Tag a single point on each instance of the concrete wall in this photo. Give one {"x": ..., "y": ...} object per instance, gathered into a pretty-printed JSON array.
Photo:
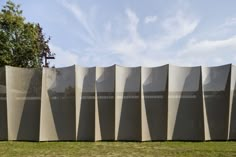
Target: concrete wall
[
  {"x": 57, "y": 119},
  {"x": 118, "y": 103},
  {"x": 185, "y": 104},
  {"x": 232, "y": 113},
  {"x": 85, "y": 103},
  {"x": 23, "y": 103},
  {"x": 216, "y": 92},
  {"x": 128, "y": 104},
  {"x": 3, "y": 105},
  {"x": 105, "y": 103},
  {"x": 154, "y": 103}
]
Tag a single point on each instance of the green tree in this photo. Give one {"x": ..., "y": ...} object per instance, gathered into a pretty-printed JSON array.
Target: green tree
[{"x": 22, "y": 43}]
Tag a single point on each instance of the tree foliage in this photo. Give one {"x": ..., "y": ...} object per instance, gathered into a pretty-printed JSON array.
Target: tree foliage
[{"x": 22, "y": 43}]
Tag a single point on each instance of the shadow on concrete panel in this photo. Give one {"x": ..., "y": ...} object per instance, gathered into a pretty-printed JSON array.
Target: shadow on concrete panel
[
  {"x": 86, "y": 128},
  {"x": 105, "y": 87},
  {"x": 130, "y": 116},
  {"x": 106, "y": 111},
  {"x": 62, "y": 103},
  {"x": 216, "y": 86},
  {"x": 3, "y": 105},
  {"x": 156, "y": 111},
  {"x": 24, "y": 103},
  {"x": 86, "y": 121},
  {"x": 185, "y": 100},
  {"x": 155, "y": 89},
  {"x": 189, "y": 123}
]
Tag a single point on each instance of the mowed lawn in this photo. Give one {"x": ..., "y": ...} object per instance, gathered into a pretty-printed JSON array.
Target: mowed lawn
[{"x": 165, "y": 149}]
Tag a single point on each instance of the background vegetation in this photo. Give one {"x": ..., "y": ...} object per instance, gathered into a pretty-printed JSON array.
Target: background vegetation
[{"x": 22, "y": 43}]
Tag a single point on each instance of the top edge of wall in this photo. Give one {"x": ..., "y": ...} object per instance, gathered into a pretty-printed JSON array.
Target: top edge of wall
[{"x": 125, "y": 66}]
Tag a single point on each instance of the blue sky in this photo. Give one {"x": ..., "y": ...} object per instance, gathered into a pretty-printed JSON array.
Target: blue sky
[{"x": 137, "y": 32}]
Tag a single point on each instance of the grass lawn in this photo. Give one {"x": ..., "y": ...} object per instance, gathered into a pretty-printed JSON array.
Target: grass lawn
[{"x": 183, "y": 149}]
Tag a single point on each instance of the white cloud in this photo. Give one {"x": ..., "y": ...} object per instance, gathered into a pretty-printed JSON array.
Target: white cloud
[
  {"x": 208, "y": 52},
  {"x": 175, "y": 28},
  {"x": 150, "y": 19},
  {"x": 133, "y": 23},
  {"x": 229, "y": 22},
  {"x": 133, "y": 49},
  {"x": 132, "y": 43},
  {"x": 81, "y": 16},
  {"x": 210, "y": 47},
  {"x": 180, "y": 25},
  {"x": 63, "y": 57}
]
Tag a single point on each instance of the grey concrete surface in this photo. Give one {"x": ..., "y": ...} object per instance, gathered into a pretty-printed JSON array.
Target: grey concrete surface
[
  {"x": 154, "y": 103},
  {"x": 57, "y": 119},
  {"x": 85, "y": 103},
  {"x": 185, "y": 104},
  {"x": 118, "y": 103},
  {"x": 23, "y": 103},
  {"x": 232, "y": 113},
  {"x": 216, "y": 92},
  {"x": 128, "y": 104}
]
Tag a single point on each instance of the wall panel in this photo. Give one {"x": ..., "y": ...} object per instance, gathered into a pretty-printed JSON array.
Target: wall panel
[
  {"x": 185, "y": 104},
  {"x": 118, "y": 103},
  {"x": 85, "y": 103},
  {"x": 23, "y": 103},
  {"x": 232, "y": 118},
  {"x": 216, "y": 89},
  {"x": 58, "y": 105},
  {"x": 3, "y": 105},
  {"x": 105, "y": 103},
  {"x": 128, "y": 103},
  {"x": 154, "y": 87}
]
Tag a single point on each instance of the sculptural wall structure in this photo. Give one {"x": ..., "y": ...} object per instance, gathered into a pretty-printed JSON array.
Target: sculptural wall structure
[
  {"x": 154, "y": 103},
  {"x": 118, "y": 103},
  {"x": 216, "y": 96},
  {"x": 23, "y": 88},
  {"x": 85, "y": 103},
  {"x": 3, "y": 105},
  {"x": 185, "y": 104},
  {"x": 128, "y": 104},
  {"x": 105, "y": 104},
  {"x": 232, "y": 111},
  {"x": 57, "y": 116}
]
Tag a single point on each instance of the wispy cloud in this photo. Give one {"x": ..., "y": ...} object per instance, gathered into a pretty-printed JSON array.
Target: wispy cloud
[
  {"x": 63, "y": 56},
  {"x": 229, "y": 22},
  {"x": 150, "y": 50},
  {"x": 150, "y": 19},
  {"x": 133, "y": 48},
  {"x": 210, "y": 47},
  {"x": 82, "y": 18},
  {"x": 180, "y": 24}
]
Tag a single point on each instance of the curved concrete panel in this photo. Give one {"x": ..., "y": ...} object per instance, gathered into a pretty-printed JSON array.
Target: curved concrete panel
[
  {"x": 232, "y": 117},
  {"x": 154, "y": 90},
  {"x": 118, "y": 103},
  {"x": 85, "y": 103},
  {"x": 3, "y": 105},
  {"x": 128, "y": 103},
  {"x": 185, "y": 104},
  {"x": 23, "y": 103},
  {"x": 216, "y": 91},
  {"x": 58, "y": 104},
  {"x": 105, "y": 103}
]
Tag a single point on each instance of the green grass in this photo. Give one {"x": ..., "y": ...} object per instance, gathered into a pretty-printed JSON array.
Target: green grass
[{"x": 166, "y": 149}]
